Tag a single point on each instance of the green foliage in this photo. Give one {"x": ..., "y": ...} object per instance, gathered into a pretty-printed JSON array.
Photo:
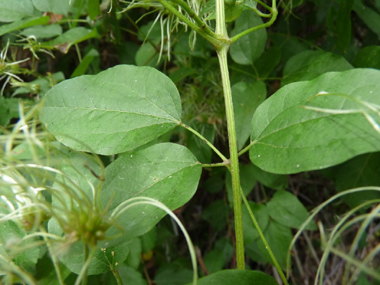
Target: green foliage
[
  {"x": 13, "y": 11},
  {"x": 285, "y": 209},
  {"x": 249, "y": 48},
  {"x": 368, "y": 57},
  {"x": 294, "y": 135},
  {"x": 166, "y": 172},
  {"x": 154, "y": 119},
  {"x": 237, "y": 276},
  {"x": 310, "y": 64},
  {"x": 359, "y": 171},
  {"x": 246, "y": 98},
  {"x": 150, "y": 110}
]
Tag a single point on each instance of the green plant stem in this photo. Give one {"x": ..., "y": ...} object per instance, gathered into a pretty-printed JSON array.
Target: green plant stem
[
  {"x": 117, "y": 276},
  {"x": 263, "y": 4},
  {"x": 244, "y": 150},
  {"x": 221, "y": 30},
  {"x": 262, "y": 237},
  {"x": 234, "y": 162},
  {"x": 212, "y": 39},
  {"x": 225, "y": 160},
  {"x": 11, "y": 266},
  {"x": 86, "y": 256},
  {"x": 267, "y": 24},
  {"x": 53, "y": 257},
  {"x": 78, "y": 13},
  {"x": 83, "y": 273},
  {"x": 205, "y": 165},
  {"x": 78, "y": 53}
]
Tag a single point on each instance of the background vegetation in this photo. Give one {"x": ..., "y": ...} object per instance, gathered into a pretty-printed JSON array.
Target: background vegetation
[{"x": 46, "y": 42}]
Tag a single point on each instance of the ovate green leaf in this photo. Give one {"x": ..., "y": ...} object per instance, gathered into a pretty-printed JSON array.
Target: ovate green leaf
[
  {"x": 288, "y": 138},
  {"x": 46, "y": 274},
  {"x": 23, "y": 24},
  {"x": 115, "y": 111},
  {"x": 134, "y": 257},
  {"x": 278, "y": 238},
  {"x": 360, "y": 171},
  {"x": 310, "y": 64},
  {"x": 368, "y": 57},
  {"x": 69, "y": 38},
  {"x": 251, "y": 4},
  {"x": 235, "y": 276},
  {"x": 270, "y": 180},
  {"x": 166, "y": 172},
  {"x": 93, "y": 9},
  {"x": 248, "y": 48},
  {"x": 173, "y": 273},
  {"x": 43, "y": 32},
  {"x": 147, "y": 54},
  {"x": 182, "y": 73},
  {"x": 214, "y": 261},
  {"x": 15, "y": 10},
  {"x": 262, "y": 217},
  {"x": 343, "y": 24},
  {"x": 54, "y": 6},
  {"x": 289, "y": 45},
  {"x": 246, "y": 98},
  {"x": 287, "y": 210},
  {"x": 103, "y": 260},
  {"x": 233, "y": 12},
  {"x": 225, "y": 245},
  {"x": 130, "y": 275},
  {"x": 8, "y": 110},
  {"x": 11, "y": 236},
  {"x": 216, "y": 214},
  {"x": 268, "y": 61},
  {"x": 148, "y": 240}
]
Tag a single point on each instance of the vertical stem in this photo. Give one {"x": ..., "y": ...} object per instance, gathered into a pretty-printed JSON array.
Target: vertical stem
[
  {"x": 234, "y": 162},
  {"x": 53, "y": 257},
  {"x": 85, "y": 255},
  {"x": 220, "y": 28}
]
